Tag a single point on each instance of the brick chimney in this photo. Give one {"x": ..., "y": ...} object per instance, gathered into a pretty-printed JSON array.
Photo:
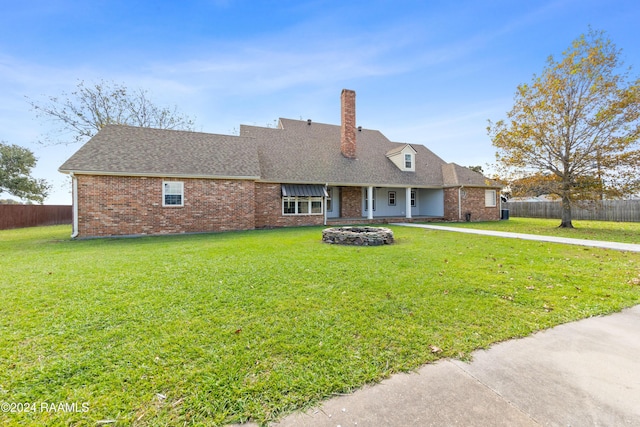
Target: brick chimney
[{"x": 348, "y": 127}]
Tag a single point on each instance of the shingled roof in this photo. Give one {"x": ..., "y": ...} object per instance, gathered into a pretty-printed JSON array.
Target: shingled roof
[
  {"x": 300, "y": 152},
  {"x": 455, "y": 175},
  {"x": 295, "y": 152},
  {"x": 127, "y": 150}
]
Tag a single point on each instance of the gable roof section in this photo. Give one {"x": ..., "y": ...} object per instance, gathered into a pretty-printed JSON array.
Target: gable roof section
[
  {"x": 398, "y": 157},
  {"x": 455, "y": 175},
  {"x": 399, "y": 149},
  {"x": 127, "y": 150},
  {"x": 297, "y": 152}
]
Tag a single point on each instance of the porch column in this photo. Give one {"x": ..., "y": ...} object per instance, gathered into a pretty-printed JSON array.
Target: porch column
[
  {"x": 408, "y": 202},
  {"x": 370, "y": 202}
]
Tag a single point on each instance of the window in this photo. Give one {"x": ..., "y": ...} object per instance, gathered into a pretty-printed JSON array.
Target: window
[
  {"x": 301, "y": 205},
  {"x": 408, "y": 161},
  {"x": 490, "y": 198},
  {"x": 403, "y": 157},
  {"x": 392, "y": 198},
  {"x": 413, "y": 199},
  {"x": 172, "y": 193},
  {"x": 288, "y": 205}
]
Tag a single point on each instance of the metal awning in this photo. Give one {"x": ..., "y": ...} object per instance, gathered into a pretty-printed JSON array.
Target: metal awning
[{"x": 304, "y": 190}]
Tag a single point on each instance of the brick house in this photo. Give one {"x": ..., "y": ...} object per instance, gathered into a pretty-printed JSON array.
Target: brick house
[{"x": 135, "y": 181}]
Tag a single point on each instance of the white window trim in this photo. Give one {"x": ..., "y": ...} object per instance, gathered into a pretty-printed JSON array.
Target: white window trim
[
  {"x": 414, "y": 198},
  {"x": 302, "y": 199},
  {"x": 164, "y": 193},
  {"x": 395, "y": 199},
  {"x": 408, "y": 151},
  {"x": 490, "y": 198},
  {"x": 410, "y": 167}
]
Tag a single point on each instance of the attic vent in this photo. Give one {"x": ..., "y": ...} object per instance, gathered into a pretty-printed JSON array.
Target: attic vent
[
  {"x": 309, "y": 122},
  {"x": 359, "y": 128}
]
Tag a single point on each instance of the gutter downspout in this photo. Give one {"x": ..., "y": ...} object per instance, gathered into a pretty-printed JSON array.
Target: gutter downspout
[
  {"x": 74, "y": 181},
  {"x": 324, "y": 204}
]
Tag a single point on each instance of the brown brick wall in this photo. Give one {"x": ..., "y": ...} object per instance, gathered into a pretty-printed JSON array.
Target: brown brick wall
[
  {"x": 451, "y": 204},
  {"x": 348, "y": 124},
  {"x": 116, "y": 205},
  {"x": 472, "y": 202},
  {"x": 268, "y": 211},
  {"x": 351, "y": 202}
]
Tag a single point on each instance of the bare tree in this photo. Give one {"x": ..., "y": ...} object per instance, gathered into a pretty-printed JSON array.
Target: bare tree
[{"x": 89, "y": 108}]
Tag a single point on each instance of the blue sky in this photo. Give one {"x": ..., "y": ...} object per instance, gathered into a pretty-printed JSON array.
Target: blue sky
[{"x": 425, "y": 72}]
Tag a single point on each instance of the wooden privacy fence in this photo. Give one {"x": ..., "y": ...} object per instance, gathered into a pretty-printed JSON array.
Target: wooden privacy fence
[
  {"x": 607, "y": 210},
  {"x": 16, "y": 216}
]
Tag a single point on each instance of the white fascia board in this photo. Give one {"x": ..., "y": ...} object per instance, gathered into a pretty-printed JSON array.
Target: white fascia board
[{"x": 159, "y": 175}]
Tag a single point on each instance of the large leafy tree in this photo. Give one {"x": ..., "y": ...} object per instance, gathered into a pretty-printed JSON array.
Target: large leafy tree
[
  {"x": 576, "y": 127},
  {"x": 15, "y": 174},
  {"x": 90, "y": 107}
]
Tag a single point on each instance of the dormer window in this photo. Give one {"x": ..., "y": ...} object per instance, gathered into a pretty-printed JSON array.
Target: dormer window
[
  {"x": 408, "y": 161},
  {"x": 404, "y": 157}
]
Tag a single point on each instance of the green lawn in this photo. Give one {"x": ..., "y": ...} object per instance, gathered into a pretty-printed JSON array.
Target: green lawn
[
  {"x": 624, "y": 232},
  {"x": 221, "y": 328}
]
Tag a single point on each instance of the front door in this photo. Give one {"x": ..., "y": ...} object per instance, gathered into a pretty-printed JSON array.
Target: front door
[{"x": 333, "y": 202}]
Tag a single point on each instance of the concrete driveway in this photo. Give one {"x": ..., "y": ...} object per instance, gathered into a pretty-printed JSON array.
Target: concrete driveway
[{"x": 585, "y": 373}]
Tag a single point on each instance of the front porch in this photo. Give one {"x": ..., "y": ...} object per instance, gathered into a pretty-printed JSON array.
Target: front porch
[
  {"x": 380, "y": 205},
  {"x": 383, "y": 220}
]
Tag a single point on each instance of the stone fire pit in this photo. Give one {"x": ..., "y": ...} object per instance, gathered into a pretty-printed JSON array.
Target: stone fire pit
[{"x": 358, "y": 236}]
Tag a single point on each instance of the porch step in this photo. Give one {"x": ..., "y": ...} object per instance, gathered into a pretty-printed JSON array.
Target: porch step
[{"x": 382, "y": 220}]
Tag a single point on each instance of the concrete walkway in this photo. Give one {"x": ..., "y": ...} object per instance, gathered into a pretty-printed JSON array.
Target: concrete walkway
[
  {"x": 585, "y": 373},
  {"x": 631, "y": 247}
]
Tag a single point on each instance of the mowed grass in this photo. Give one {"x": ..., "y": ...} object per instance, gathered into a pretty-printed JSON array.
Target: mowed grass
[
  {"x": 622, "y": 232},
  {"x": 222, "y": 328}
]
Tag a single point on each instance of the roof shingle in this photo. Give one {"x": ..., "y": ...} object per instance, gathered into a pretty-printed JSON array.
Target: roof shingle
[
  {"x": 118, "y": 149},
  {"x": 455, "y": 175},
  {"x": 295, "y": 153}
]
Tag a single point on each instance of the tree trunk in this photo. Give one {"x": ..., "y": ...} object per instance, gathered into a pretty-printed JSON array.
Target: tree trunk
[{"x": 566, "y": 213}]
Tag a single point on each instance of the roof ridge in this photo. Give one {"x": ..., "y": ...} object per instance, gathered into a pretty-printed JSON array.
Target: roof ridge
[
  {"x": 455, "y": 172},
  {"x": 183, "y": 131},
  {"x": 306, "y": 122}
]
